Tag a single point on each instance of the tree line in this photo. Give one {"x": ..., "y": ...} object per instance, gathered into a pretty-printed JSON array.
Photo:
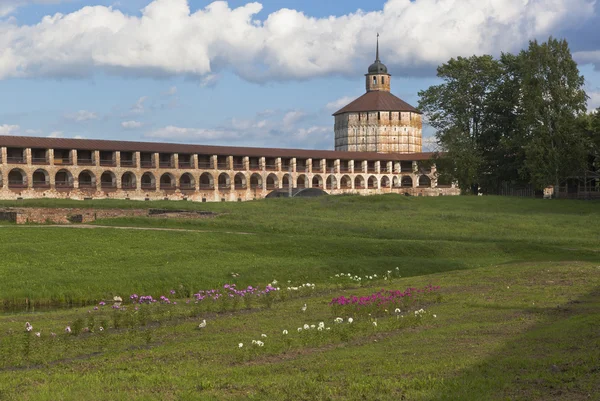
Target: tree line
[{"x": 519, "y": 119}]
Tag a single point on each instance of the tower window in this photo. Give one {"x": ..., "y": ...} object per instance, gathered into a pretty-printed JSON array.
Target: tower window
[
  {"x": 374, "y": 80},
  {"x": 379, "y": 115},
  {"x": 383, "y": 80}
]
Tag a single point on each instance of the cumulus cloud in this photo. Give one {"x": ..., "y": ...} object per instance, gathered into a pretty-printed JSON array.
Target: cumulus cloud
[
  {"x": 267, "y": 130},
  {"x": 588, "y": 57},
  {"x": 169, "y": 39},
  {"x": 594, "y": 100},
  {"x": 131, "y": 124},
  {"x": 56, "y": 134},
  {"x": 7, "y": 7},
  {"x": 339, "y": 103},
  {"x": 6, "y": 129},
  {"x": 81, "y": 115},
  {"x": 138, "y": 107},
  {"x": 172, "y": 91}
]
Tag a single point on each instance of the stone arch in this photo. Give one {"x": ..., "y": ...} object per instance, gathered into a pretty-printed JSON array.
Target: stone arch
[
  {"x": 207, "y": 181},
  {"x": 63, "y": 179},
  {"x": 317, "y": 182},
  {"x": 372, "y": 183},
  {"x": 424, "y": 181},
  {"x": 302, "y": 181},
  {"x": 40, "y": 179},
  {"x": 286, "y": 181},
  {"x": 272, "y": 181},
  {"x": 17, "y": 178},
  {"x": 148, "y": 181},
  {"x": 359, "y": 182},
  {"x": 224, "y": 181},
  {"x": 128, "y": 180},
  {"x": 331, "y": 182},
  {"x": 108, "y": 180},
  {"x": 385, "y": 182},
  {"x": 239, "y": 181},
  {"x": 186, "y": 181},
  {"x": 396, "y": 182},
  {"x": 255, "y": 181},
  {"x": 167, "y": 181},
  {"x": 346, "y": 182},
  {"x": 86, "y": 179},
  {"x": 407, "y": 181}
]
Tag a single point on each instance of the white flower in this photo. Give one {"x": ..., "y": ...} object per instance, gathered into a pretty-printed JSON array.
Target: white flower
[
  {"x": 285, "y": 332},
  {"x": 118, "y": 299},
  {"x": 274, "y": 282},
  {"x": 375, "y": 324},
  {"x": 337, "y": 275},
  {"x": 374, "y": 275},
  {"x": 304, "y": 308},
  {"x": 350, "y": 320},
  {"x": 68, "y": 329},
  {"x": 299, "y": 329},
  {"x": 203, "y": 324},
  {"x": 321, "y": 324},
  {"x": 397, "y": 310},
  {"x": 320, "y": 328},
  {"x": 101, "y": 328},
  {"x": 328, "y": 328},
  {"x": 263, "y": 335},
  {"x": 306, "y": 327},
  {"x": 28, "y": 327},
  {"x": 240, "y": 345},
  {"x": 38, "y": 334},
  {"x": 254, "y": 342},
  {"x": 339, "y": 320},
  {"x": 434, "y": 315}
]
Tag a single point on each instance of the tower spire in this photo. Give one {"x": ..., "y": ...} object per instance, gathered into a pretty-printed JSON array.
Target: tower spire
[{"x": 377, "y": 56}]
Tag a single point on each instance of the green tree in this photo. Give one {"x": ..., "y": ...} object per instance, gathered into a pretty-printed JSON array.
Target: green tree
[
  {"x": 458, "y": 109},
  {"x": 552, "y": 97}
]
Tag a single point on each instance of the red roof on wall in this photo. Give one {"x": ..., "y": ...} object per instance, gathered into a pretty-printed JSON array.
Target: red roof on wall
[
  {"x": 377, "y": 101},
  {"x": 127, "y": 146}
]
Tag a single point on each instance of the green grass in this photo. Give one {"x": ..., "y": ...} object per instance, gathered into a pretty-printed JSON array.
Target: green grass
[{"x": 518, "y": 317}]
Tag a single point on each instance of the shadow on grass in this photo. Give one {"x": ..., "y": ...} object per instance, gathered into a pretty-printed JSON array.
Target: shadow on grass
[{"x": 555, "y": 360}]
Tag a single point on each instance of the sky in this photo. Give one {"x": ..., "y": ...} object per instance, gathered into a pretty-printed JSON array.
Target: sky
[{"x": 268, "y": 73}]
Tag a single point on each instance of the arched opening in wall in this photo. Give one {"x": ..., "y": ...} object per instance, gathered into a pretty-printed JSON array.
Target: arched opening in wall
[
  {"x": 128, "y": 181},
  {"x": 346, "y": 182},
  {"x": 167, "y": 182},
  {"x": 206, "y": 181},
  {"x": 359, "y": 182},
  {"x": 317, "y": 182},
  {"x": 148, "y": 181},
  {"x": 1, "y": 181},
  {"x": 272, "y": 181},
  {"x": 255, "y": 181},
  {"x": 224, "y": 182},
  {"x": 187, "y": 182},
  {"x": 424, "y": 182},
  {"x": 108, "y": 180},
  {"x": 286, "y": 181},
  {"x": 40, "y": 179},
  {"x": 86, "y": 179},
  {"x": 372, "y": 182},
  {"x": 301, "y": 181},
  {"x": 239, "y": 181},
  {"x": 407, "y": 181},
  {"x": 17, "y": 178},
  {"x": 385, "y": 182},
  {"x": 396, "y": 182},
  {"x": 331, "y": 182},
  {"x": 63, "y": 179}
]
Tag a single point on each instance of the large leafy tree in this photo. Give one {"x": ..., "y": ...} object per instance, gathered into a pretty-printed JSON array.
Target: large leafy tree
[
  {"x": 458, "y": 109},
  {"x": 552, "y": 97}
]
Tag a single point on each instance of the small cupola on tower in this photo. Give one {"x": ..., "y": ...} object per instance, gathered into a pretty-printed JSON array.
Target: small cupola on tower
[{"x": 378, "y": 78}]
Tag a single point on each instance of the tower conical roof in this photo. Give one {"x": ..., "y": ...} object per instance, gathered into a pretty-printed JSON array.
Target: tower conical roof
[{"x": 377, "y": 67}]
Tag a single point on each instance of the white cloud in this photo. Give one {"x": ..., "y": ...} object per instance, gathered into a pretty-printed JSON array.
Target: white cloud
[
  {"x": 82, "y": 115},
  {"x": 588, "y": 57},
  {"x": 169, "y": 39},
  {"x": 339, "y": 103},
  {"x": 138, "y": 107},
  {"x": 292, "y": 117},
  {"x": 131, "y": 124},
  {"x": 594, "y": 100},
  {"x": 7, "y": 7},
  {"x": 33, "y": 131},
  {"x": 172, "y": 91},
  {"x": 209, "y": 80},
  {"x": 6, "y": 129},
  {"x": 56, "y": 134},
  {"x": 191, "y": 134}
]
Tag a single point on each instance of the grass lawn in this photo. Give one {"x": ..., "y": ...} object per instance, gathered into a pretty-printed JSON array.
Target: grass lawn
[{"x": 517, "y": 314}]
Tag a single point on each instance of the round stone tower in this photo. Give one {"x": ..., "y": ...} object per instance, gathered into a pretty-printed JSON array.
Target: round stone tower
[{"x": 378, "y": 121}]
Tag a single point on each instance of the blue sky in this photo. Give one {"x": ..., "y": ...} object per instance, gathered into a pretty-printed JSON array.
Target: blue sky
[{"x": 251, "y": 74}]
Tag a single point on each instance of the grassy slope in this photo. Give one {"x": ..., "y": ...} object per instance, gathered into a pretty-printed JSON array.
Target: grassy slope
[
  {"x": 518, "y": 320},
  {"x": 302, "y": 240}
]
